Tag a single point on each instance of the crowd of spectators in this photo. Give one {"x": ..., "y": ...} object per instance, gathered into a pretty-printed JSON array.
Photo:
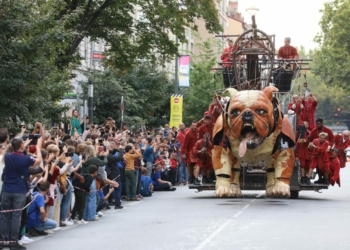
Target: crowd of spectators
[{"x": 65, "y": 177}]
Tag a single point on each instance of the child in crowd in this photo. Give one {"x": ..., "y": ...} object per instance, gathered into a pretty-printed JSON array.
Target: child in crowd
[
  {"x": 82, "y": 186},
  {"x": 173, "y": 168},
  {"x": 146, "y": 184}
]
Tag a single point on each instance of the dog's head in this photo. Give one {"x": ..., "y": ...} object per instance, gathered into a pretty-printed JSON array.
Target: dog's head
[{"x": 250, "y": 115}]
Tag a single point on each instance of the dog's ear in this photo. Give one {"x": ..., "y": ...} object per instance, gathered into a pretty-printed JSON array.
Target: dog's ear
[
  {"x": 269, "y": 90},
  {"x": 231, "y": 91}
]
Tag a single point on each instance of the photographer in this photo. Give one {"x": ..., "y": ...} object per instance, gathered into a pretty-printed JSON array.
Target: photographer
[
  {"x": 15, "y": 187},
  {"x": 115, "y": 161},
  {"x": 131, "y": 153},
  {"x": 148, "y": 151}
]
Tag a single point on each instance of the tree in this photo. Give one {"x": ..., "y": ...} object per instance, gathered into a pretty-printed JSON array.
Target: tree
[
  {"x": 203, "y": 82},
  {"x": 145, "y": 36},
  {"x": 30, "y": 81},
  {"x": 145, "y": 90},
  {"x": 332, "y": 61}
]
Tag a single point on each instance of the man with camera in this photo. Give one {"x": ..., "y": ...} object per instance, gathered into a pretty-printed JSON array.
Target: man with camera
[
  {"x": 14, "y": 191},
  {"x": 115, "y": 167}
]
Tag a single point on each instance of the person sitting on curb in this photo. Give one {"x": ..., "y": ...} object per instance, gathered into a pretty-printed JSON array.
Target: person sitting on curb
[{"x": 37, "y": 215}]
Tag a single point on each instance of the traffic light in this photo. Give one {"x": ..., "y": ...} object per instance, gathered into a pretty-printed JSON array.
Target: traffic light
[
  {"x": 339, "y": 109},
  {"x": 336, "y": 115}
]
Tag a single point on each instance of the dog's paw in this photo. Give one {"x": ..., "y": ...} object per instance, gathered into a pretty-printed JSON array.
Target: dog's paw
[
  {"x": 268, "y": 192},
  {"x": 223, "y": 188},
  {"x": 280, "y": 189},
  {"x": 236, "y": 191}
]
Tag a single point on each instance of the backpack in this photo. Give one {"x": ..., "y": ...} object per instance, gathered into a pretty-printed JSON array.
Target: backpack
[{"x": 145, "y": 191}]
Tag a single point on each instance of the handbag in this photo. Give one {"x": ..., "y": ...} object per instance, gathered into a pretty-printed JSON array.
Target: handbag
[{"x": 27, "y": 184}]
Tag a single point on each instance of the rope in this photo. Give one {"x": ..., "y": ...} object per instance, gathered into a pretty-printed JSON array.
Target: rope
[
  {"x": 19, "y": 209},
  {"x": 84, "y": 189}
]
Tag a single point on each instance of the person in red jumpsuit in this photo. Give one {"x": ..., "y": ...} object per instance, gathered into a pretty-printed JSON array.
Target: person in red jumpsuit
[
  {"x": 181, "y": 133},
  {"x": 319, "y": 159},
  {"x": 287, "y": 51},
  {"x": 297, "y": 106},
  {"x": 226, "y": 55},
  {"x": 201, "y": 153},
  {"x": 334, "y": 168},
  {"x": 342, "y": 142},
  {"x": 206, "y": 128},
  {"x": 319, "y": 129},
  {"x": 302, "y": 149},
  {"x": 191, "y": 137},
  {"x": 215, "y": 109},
  {"x": 308, "y": 112}
]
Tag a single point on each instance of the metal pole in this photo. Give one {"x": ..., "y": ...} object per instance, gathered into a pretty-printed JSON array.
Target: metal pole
[
  {"x": 84, "y": 114},
  {"x": 176, "y": 71},
  {"x": 91, "y": 101}
]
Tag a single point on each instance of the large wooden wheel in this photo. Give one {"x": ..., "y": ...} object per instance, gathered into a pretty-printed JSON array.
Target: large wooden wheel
[{"x": 253, "y": 60}]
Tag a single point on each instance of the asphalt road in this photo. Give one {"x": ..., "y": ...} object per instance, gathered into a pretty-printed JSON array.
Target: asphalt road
[{"x": 187, "y": 220}]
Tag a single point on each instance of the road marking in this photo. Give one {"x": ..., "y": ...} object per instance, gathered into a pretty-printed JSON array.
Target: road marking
[
  {"x": 217, "y": 231},
  {"x": 246, "y": 206}
]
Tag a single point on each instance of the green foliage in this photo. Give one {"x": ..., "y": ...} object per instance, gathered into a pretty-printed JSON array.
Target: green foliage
[
  {"x": 203, "y": 82},
  {"x": 132, "y": 35},
  {"x": 146, "y": 95},
  {"x": 332, "y": 61},
  {"x": 30, "y": 82},
  {"x": 330, "y": 98}
]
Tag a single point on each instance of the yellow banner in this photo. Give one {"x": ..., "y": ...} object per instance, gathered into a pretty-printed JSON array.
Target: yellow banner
[{"x": 176, "y": 103}]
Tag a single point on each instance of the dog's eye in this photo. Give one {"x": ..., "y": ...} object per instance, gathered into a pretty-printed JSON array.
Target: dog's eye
[
  {"x": 261, "y": 112},
  {"x": 235, "y": 112}
]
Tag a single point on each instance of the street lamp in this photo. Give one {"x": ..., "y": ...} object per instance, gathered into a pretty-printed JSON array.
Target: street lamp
[{"x": 252, "y": 11}]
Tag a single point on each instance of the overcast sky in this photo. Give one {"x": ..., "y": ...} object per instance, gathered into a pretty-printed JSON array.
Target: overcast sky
[{"x": 297, "y": 19}]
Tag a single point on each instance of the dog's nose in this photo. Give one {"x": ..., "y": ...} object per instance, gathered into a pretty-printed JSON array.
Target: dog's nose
[{"x": 247, "y": 116}]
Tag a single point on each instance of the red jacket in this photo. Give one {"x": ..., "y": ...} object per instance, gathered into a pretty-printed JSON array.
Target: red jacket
[
  {"x": 320, "y": 153},
  {"x": 204, "y": 129},
  {"x": 287, "y": 52},
  {"x": 201, "y": 158},
  {"x": 191, "y": 138},
  {"x": 173, "y": 163},
  {"x": 341, "y": 145},
  {"x": 315, "y": 134},
  {"x": 334, "y": 173},
  {"x": 181, "y": 136}
]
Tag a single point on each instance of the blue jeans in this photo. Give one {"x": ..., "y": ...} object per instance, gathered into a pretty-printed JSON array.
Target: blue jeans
[
  {"x": 66, "y": 200},
  {"x": 90, "y": 206},
  {"x": 10, "y": 222},
  {"x": 183, "y": 175},
  {"x": 48, "y": 224},
  {"x": 117, "y": 193},
  {"x": 149, "y": 167}
]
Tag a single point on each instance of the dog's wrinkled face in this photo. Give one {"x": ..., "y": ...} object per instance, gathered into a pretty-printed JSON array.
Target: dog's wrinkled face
[{"x": 250, "y": 116}]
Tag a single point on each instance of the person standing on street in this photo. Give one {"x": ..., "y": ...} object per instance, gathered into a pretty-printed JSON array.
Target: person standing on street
[
  {"x": 15, "y": 188},
  {"x": 130, "y": 178},
  {"x": 148, "y": 154}
]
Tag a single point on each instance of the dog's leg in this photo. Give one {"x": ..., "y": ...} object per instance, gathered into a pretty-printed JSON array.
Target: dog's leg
[
  {"x": 222, "y": 165},
  {"x": 270, "y": 175},
  {"x": 236, "y": 172},
  {"x": 284, "y": 165}
]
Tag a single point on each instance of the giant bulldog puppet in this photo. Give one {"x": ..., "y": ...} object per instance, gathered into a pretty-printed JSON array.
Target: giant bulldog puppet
[{"x": 252, "y": 130}]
